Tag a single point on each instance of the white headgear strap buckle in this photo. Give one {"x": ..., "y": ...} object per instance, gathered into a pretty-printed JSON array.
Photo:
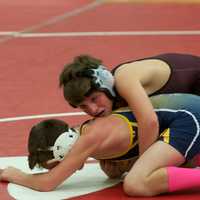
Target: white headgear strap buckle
[
  {"x": 64, "y": 143},
  {"x": 104, "y": 79}
]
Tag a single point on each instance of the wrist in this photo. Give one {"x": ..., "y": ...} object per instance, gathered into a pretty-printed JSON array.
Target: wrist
[{"x": 19, "y": 178}]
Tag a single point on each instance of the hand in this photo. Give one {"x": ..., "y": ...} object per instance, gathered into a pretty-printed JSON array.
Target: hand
[{"x": 10, "y": 174}]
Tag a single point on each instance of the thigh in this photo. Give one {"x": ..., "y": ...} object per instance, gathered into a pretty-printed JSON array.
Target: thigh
[
  {"x": 157, "y": 156},
  {"x": 183, "y": 133}
]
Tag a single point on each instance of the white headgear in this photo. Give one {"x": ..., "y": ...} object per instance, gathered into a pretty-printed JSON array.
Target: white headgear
[
  {"x": 64, "y": 143},
  {"x": 104, "y": 79}
]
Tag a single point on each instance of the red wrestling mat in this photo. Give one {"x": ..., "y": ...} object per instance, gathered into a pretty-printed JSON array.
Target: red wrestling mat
[
  {"x": 33, "y": 65},
  {"x": 30, "y": 66},
  {"x": 19, "y": 15},
  {"x": 132, "y": 17}
]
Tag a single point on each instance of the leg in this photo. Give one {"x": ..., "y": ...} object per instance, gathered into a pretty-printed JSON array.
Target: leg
[
  {"x": 196, "y": 160},
  {"x": 182, "y": 178},
  {"x": 148, "y": 176}
]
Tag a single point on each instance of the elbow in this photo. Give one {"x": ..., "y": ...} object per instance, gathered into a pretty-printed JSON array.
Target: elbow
[{"x": 50, "y": 185}]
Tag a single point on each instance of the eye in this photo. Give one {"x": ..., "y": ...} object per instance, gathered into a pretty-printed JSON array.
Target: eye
[
  {"x": 61, "y": 157},
  {"x": 71, "y": 136},
  {"x": 94, "y": 98}
]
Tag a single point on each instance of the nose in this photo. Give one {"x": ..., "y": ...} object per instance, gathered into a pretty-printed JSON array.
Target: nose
[{"x": 93, "y": 109}]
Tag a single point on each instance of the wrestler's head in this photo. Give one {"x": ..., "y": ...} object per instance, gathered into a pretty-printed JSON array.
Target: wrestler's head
[
  {"x": 49, "y": 141},
  {"x": 88, "y": 85}
]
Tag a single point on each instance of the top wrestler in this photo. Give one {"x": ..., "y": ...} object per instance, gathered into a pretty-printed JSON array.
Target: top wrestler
[
  {"x": 91, "y": 87},
  {"x": 156, "y": 171}
]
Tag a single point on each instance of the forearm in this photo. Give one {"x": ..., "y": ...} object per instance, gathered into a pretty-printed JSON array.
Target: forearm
[
  {"x": 39, "y": 182},
  {"x": 148, "y": 133},
  {"x": 35, "y": 181}
]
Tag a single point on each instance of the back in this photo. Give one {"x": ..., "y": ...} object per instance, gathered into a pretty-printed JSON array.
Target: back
[{"x": 177, "y": 101}]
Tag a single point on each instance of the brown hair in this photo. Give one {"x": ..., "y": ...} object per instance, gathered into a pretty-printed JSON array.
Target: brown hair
[
  {"x": 41, "y": 137},
  {"x": 75, "y": 80}
]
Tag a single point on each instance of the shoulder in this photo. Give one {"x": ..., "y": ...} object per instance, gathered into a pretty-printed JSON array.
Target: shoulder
[
  {"x": 102, "y": 125},
  {"x": 139, "y": 66},
  {"x": 142, "y": 71}
]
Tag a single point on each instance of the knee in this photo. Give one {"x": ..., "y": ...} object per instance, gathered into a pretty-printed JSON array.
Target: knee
[{"x": 137, "y": 187}]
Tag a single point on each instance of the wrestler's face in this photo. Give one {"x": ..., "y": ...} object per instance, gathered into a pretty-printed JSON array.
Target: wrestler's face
[{"x": 97, "y": 104}]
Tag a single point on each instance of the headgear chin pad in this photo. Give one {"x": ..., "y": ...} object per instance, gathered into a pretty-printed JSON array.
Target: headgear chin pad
[{"x": 64, "y": 143}]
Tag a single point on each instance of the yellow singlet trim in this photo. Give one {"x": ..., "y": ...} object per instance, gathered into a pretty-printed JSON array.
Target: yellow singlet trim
[
  {"x": 166, "y": 135},
  {"x": 132, "y": 136}
]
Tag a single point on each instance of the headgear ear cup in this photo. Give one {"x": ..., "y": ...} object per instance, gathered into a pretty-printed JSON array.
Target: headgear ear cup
[
  {"x": 102, "y": 79},
  {"x": 64, "y": 143}
]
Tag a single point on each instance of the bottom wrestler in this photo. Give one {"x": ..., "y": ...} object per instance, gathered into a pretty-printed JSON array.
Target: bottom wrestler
[{"x": 115, "y": 138}]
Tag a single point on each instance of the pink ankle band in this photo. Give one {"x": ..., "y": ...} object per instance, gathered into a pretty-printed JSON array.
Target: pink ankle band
[{"x": 182, "y": 178}]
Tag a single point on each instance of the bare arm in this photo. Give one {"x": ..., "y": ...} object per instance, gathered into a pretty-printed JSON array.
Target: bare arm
[
  {"x": 50, "y": 180},
  {"x": 131, "y": 86}
]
